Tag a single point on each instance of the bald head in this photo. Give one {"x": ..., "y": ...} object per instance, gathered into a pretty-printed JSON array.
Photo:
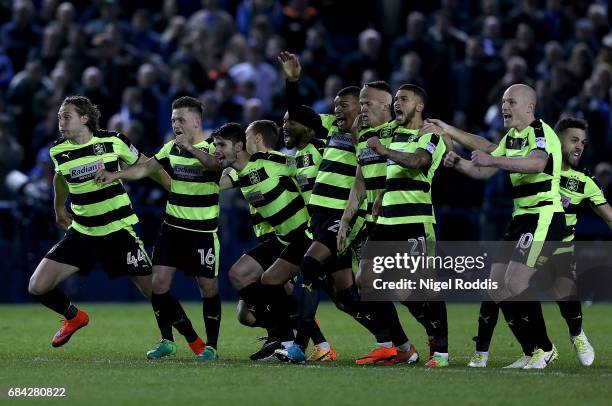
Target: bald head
[
  {"x": 518, "y": 106},
  {"x": 526, "y": 93}
]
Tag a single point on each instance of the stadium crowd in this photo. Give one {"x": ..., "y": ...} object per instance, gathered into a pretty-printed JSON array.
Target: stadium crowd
[{"x": 133, "y": 58}]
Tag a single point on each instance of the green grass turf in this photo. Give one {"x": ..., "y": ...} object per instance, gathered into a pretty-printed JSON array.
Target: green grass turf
[{"x": 105, "y": 363}]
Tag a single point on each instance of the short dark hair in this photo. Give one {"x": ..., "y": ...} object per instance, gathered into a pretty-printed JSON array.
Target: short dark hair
[
  {"x": 349, "y": 91},
  {"x": 571, "y": 122},
  {"x": 380, "y": 85},
  {"x": 190, "y": 103},
  {"x": 84, "y": 107},
  {"x": 230, "y": 131},
  {"x": 268, "y": 130},
  {"x": 417, "y": 90}
]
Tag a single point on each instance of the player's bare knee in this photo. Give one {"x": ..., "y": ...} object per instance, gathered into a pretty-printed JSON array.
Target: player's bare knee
[
  {"x": 35, "y": 287},
  {"x": 244, "y": 316},
  {"x": 160, "y": 284},
  {"x": 209, "y": 287}
]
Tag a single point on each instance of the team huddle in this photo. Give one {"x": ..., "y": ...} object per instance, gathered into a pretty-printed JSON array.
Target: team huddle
[{"x": 363, "y": 174}]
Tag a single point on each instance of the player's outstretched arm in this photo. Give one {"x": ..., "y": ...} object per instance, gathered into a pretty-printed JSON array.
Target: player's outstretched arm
[
  {"x": 355, "y": 198},
  {"x": 160, "y": 176},
  {"x": 420, "y": 158},
  {"x": 60, "y": 188},
  {"x": 535, "y": 162},
  {"x": 605, "y": 212},
  {"x": 468, "y": 168},
  {"x": 468, "y": 140},
  {"x": 134, "y": 172}
]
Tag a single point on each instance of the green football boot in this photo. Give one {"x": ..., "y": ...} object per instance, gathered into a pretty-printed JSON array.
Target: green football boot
[
  {"x": 209, "y": 354},
  {"x": 164, "y": 348}
]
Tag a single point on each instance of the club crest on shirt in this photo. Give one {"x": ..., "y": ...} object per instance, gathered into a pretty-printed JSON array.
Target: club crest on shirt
[
  {"x": 99, "y": 149},
  {"x": 254, "y": 176},
  {"x": 572, "y": 185},
  {"x": 385, "y": 132}
]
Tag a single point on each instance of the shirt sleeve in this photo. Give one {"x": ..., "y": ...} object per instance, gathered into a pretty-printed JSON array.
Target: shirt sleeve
[
  {"x": 539, "y": 140},
  {"x": 55, "y": 164},
  {"x": 593, "y": 192},
  {"x": 233, "y": 175},
  {"x": 126, "y": 151},
  {"x": 164, "y": 151},
  {"x": 501, "y": 148},
  {"x": 429, "y": 142}
]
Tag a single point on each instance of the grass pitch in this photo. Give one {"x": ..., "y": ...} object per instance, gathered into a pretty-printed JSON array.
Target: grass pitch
[{"x": 105, "y": 363}]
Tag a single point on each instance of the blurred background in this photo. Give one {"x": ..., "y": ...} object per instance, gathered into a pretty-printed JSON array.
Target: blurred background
[{"x": 133, "y": 58}]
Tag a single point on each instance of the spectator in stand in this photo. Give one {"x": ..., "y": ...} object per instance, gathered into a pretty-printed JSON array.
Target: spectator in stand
[
  {"x": 18, "y": 35},
  {"x": 218, "y": 22},
  {"x": 333, "y": 84},
  {"x": 256, "y": 70},
  {"x": 369, "y": 56},
  {"x": 11, "y": 153}
]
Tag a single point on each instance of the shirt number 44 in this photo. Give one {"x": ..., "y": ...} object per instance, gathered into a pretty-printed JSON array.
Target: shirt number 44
[{"x": 134, "y": 259}]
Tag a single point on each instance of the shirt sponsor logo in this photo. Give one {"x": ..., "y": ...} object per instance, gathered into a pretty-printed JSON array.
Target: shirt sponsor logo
[
  {"x": 86, "y": 171},
  {"x": 369, "y": 156},
  {"x": 254, "y": 197},
  {"x": 430, "y": 147},
  {"x": 341, "y": 141},
  {"x": 134, "y": 150},
  {"x": 302, "y": 180},
  {"x": 188, "y": 171},
  {"x": 291, "y": 162}
]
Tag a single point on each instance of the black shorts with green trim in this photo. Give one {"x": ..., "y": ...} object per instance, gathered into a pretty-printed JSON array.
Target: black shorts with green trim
[
  {"x": 266, "y": 252},
  {"x": 324, "y": 224},
  {"x": 194, "y": 252},
  {"x": 121, "y": 253},
  {"x": 535, "y": 238},
  {"x": 299, "y": 243}
]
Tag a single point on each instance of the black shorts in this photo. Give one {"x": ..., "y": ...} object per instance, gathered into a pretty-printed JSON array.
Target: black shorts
[
  {"x": 196, "y": 253},
  {"x": 420, "y": 238},
  {"x": 534, "y": 236},
  {"x": 120, "y": 253},
  {"x": 265, "y": 253},
  {"x": 324, "y": 225},
  {"x": 294, "y": 252}
]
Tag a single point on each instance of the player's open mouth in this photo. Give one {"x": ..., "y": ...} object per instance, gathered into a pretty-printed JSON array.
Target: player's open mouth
[
  {"x": 507, "y": 116},
  {"x": 178, "y": 132}
]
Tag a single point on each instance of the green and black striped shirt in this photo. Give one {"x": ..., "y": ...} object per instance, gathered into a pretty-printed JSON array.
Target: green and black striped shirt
[
  {"x": 263, "y": 231},
  {"x": 307, "y": 161},
  {"x": 193, "y": 202},
  {"x": 577, "y": 188},
  {"x": 534, "y": 192},
  {"x": 407, "y": 197},
  {"x": 374, "y": 166},
  {"x": 268, "y": 184},
  {"x": 336, "y": 174},
  {"x": 97, "y": 210}
]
